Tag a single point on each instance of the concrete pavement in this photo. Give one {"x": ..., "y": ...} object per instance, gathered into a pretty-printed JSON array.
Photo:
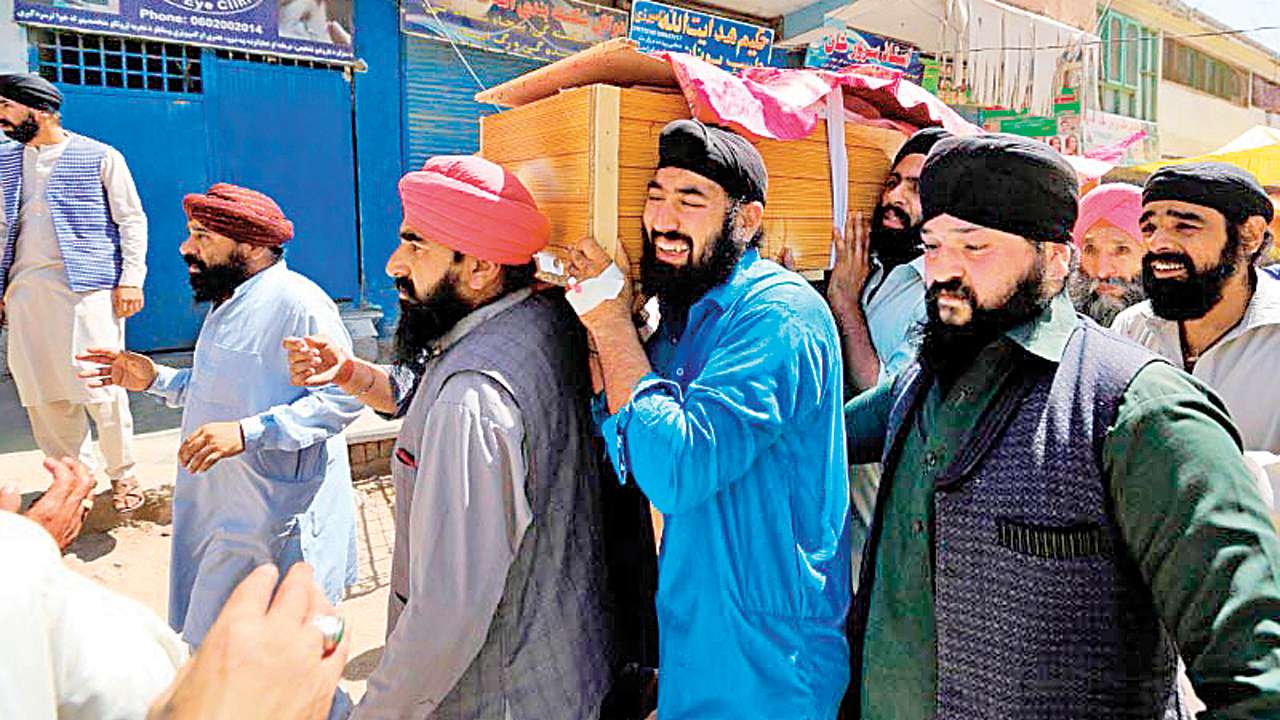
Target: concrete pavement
[{"x": 131, "y": 555}]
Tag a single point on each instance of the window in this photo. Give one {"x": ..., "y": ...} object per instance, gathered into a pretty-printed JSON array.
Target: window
[
  {"x": 1129, "y": 67},
  {"x": 1188, "y": 66},
  {"x": 107, "y": 61},
  {"x": 274, "y": 60},
  {"x": 1266, "y": 94}
]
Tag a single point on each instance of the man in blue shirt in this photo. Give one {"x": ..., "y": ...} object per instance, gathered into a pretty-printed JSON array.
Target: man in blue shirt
[
  {"x": 876, "y": 291},
  {"x": 263, "y": 474},
  {"x": 877, "y": 286},
  {"x": 729, "y": 421}
]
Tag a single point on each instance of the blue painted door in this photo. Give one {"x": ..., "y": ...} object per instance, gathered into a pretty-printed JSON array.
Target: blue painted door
[
  {"x": 283, "y": 130},
  {"x": 162, "y": 138},
  {"x": 286, "y": 131}
]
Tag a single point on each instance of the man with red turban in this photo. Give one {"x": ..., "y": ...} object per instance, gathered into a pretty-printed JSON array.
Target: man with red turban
[
  {"x": 1108, "y": 278},
  {"x": 263, "y": 473},
  {"x": 498, "y": 597}
]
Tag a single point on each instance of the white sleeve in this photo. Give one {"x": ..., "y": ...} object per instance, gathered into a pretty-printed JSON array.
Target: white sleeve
[
  {"x": 73, "y": 649},
  {"x": 126, "y": 211}
]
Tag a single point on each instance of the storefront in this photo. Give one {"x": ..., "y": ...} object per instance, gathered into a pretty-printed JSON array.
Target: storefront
[{"x": 190, "y": 96}]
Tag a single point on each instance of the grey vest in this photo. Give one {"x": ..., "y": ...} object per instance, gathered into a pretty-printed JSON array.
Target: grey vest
[
  {"x": 1041, "y": 610},
  {"x": 549, "y": 650}
]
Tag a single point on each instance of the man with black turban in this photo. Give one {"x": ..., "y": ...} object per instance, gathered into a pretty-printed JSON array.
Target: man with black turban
[
  {"x": 876, "y": 291},
  {"x": 73, "y": 253},
  {"x": 1210, "y": 310},
  {"x": 1062, "y": 513},
  {"x": 730, "y": 423}
]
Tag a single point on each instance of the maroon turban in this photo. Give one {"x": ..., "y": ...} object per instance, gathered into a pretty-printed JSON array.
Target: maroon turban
[
  {"x": 475, "y": 207},
  {"x": 241, "y": 214}
]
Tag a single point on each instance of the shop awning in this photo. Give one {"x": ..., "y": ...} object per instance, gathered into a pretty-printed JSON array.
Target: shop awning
[{"x": 1257, "y": 150}]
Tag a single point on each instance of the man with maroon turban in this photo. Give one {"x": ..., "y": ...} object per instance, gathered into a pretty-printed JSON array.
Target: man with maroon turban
[
  {"x": 263, "y": 473},
  {"x": 498, "y": 598}
]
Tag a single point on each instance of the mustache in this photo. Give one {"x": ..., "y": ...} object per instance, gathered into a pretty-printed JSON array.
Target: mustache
[
  {"x": 1170, "y": 257},
  {"x": 952, "y": 286},
  {"x": 897, "y": 212},
  {"x": 405, "y": 285},
  {"x": 195, "y": 262},
  {"x": 673, "y": 235}
]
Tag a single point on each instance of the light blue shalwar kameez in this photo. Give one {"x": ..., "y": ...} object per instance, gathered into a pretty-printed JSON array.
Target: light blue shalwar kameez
[{"x": 288, "y": 496}]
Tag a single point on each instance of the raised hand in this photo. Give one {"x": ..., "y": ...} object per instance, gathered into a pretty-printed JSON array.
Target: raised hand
[
  {"x": 129, "y": 370},
  {"x": 263, "y": 658},
  {"x": 62, "y": 508},
  {"x": 853, "y": 265},
  {"x": 316, "y": 360},
  {"x": 587, "y": 261}
]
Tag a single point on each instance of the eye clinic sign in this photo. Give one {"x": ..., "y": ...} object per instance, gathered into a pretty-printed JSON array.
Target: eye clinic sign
[
  {"x": 220, "y": 7},
  {"x": 307, "y": 29}
]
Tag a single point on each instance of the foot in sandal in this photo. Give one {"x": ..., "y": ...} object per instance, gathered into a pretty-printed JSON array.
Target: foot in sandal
[{"x": 126, "y": 495}]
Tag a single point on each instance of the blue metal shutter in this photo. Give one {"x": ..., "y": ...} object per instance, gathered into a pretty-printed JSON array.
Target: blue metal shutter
[{"x": 440, "y": 116}]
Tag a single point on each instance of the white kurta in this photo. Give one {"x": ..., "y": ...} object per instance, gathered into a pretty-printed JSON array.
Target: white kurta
[
  {"x": 48, "y": 322},
  {"x": 1240, "y": 367},
  {"x": 73, "y": 650}
]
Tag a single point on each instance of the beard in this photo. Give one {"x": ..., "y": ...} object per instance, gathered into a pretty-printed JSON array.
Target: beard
[
  {"x": 423, "y": 322},
  {"x": 25, "y": 131},
  {"x": 679, "y": 287},
  {"x": 946, "y": 350},
  {"x": 894, "y": 247},
  {"x": 216, "y": 283},
  {"x": 1103, "y": 308},
  {"x": 1189, "y": 298}
]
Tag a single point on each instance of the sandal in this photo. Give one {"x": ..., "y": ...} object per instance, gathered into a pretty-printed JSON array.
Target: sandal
[{"x": 126, "y": 496}]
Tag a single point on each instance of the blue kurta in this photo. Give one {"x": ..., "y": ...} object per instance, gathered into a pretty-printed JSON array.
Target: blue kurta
[
  {"x": 288, "y": 496},
  {"x": 737, "y": 437}
]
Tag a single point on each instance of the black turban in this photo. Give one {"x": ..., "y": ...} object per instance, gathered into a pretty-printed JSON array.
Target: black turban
[
  {"x": 1002, "y": 182},
  {"x": 31, "y": 90},
  {"x": 1226, "y": 188},
  {"x": 921, "y": 143},
  {"x": 717, "y": 154}
]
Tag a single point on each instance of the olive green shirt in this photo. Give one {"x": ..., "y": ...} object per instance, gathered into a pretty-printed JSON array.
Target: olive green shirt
[{"x": 1185, "y": 502}]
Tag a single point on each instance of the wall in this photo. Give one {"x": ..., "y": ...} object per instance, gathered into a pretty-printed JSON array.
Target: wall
[
  {"x": 1155, "y": 14},
  {"x": 378, "y": 131},
  {"x": 13, "y": 41},
  {"x": 1077, "y": 13},
  {"x": 1192, "y": 122}
]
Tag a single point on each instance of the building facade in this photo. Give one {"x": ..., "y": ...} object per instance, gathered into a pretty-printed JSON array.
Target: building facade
[{"x": 1200, "y": 84}]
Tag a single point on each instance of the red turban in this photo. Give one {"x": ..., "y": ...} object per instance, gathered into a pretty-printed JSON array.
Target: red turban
[
  {"x": 241, "y": 214},
  {"x": 1118, "y": 203},
  {"x": 475, "y": 207}
]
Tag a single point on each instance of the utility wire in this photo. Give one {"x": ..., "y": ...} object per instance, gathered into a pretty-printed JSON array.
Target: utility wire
[
  {"x": 431, "y": 9},
  {"x": 1215, "y": 33}
]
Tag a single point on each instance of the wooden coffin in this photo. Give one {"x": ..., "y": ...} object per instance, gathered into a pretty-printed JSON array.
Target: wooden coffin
[{"x": 587, "y": 154}]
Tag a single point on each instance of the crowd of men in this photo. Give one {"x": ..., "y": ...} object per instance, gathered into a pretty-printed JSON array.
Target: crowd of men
[{"x": 945, "y": 489}]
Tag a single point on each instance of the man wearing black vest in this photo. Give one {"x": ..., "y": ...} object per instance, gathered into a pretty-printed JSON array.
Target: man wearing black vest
[
  {"x": 499, "y": 605},
  {"x": 1062, "y": 513}
]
